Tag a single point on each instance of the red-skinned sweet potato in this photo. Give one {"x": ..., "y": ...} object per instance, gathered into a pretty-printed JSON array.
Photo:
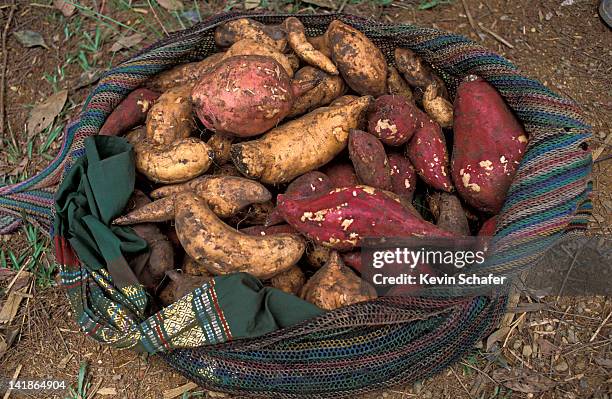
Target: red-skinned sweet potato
[
  {"x": 369, "y": 159},
  {"x": 489, "y": 143},
  {"x": 341, "y": 218},
  {"x": 428, "y": 154},
  {"x": 245, "y": 95},
  {"x": 341, "y": 174},
  {"x": 488, "y": 227},
  {"x": 393, "y": 120},
  {"x": 403, "y": 175},
  {"x": 308, "y": 185},
  {"x": 130, "y": 112}
]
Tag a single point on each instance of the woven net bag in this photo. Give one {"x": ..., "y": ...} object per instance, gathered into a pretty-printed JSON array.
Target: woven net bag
[{"x": 387, "y": 341}]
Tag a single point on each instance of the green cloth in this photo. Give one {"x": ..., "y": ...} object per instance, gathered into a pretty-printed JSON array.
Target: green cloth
[
  {"x": 253, "y": 310},
  {"x": 108, "y": 301},
  {"x": 92, "y": 194}
]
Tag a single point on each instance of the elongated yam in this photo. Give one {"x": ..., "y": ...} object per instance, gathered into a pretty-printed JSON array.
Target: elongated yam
[
  {"x": 360, "y": 62},
  {"x": 342, "y": 218},
  {"x": 290, "y": 281},
  {"x": 306, "y": 51},
  {"x": 244, "y": 28},
  {"x": 428, "y": 154},
  {"x": 369, "y": 159},
  {"x": 403, "y": 175},
  {"x": 176, "y": 162},
  {"x": 489, "y": 142},
  {"x": 225, "y": 195},
  {"x": 397, "y": 86},
  {"x": 335, "y": 285},
  {"x": 161, "y": 210},
  {"x": 182, "y": 74},
  {"x": 171, "y": 117},
  {"x": 329, "y": 88},
  {"x": 300, "y": 145},
  {"x": 130, "y": 112},
  {"x": 206, "y": 238},
  {"x": 251, "y": 47}
]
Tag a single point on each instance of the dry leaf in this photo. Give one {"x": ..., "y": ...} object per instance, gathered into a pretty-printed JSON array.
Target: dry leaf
[
  {"x": 546, "y": 347},
  {"x": 43, "y": 114},
  {"x": 251, "y": 4},
  {"x": 29, "y": 38},
  {"x": 68, "y": 9},
  {"x": 523, "y": 380},
  {"x": 171, "y": 5},
  {"x": 497, "y": 336},
  {"x": 127, "y": 42}
]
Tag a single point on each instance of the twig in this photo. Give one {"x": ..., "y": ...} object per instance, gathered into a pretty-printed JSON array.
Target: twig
[
  {"x": 461, "y": 382},
  {"x": 157, "y": 17},
  {"x": 3, "y": 71},
  {"x": 469, "y": 17},
  {"x": 495, "y": 35},
  {"x": 341, "y": 8},
  {"x": 600, "y": 327},
  {"x": 568, "y": 274},
  {"x": 15, "y": 376}
]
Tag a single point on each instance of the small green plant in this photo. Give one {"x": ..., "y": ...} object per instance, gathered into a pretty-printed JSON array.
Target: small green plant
[
  {"x": 427, "y": 4},
  {"x": 31, "y": 258},
  {"x": 83, "y": 385}
]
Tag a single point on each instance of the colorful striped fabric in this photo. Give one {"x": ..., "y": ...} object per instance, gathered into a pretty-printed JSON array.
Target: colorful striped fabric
[{"x": 387, "y": 341}]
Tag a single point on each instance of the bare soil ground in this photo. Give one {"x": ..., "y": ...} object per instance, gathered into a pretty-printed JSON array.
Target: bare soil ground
[{"x": 556, "y": 348}]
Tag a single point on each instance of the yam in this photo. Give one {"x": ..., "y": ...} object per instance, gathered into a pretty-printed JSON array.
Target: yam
[
  {"x": 328, "y": 89},
  {"x": 335, "y": 285},
  {"x": 343, "y": 100},
  {"x": 393, "y": 120},
  {"x": 290, "y": 281},
  {"x": 369, "y": 159},
  {"x": 251, "y": 47},
  {"x": 342, "y": 218},
  {"x": 449, "y": 213},
  {"x": 207, "y": 239},
  {"x": 245, "y": 95},
  {"x": 171, "y": 117},
  {"x": 360, "y": 61},
  {"x": 244, "y": 28},
  {"x": 489, "y": 142},
  {"x": 397, "y": 86},
  {"x": 428, "y": 154},
  {"x": 220, "y": 144},
  {"x": 225, "y": 195},
  {"x": 403, "y": 176},
  {"x": 306, "y": 51},
  {"x": 180, "y": 285},
  {"x": 300, "y": 145}
]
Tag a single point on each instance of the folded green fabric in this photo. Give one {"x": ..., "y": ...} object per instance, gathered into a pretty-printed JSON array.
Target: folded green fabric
[
  {"x": 109, "y": 302},
  {"x": 92, "y": 194}
]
